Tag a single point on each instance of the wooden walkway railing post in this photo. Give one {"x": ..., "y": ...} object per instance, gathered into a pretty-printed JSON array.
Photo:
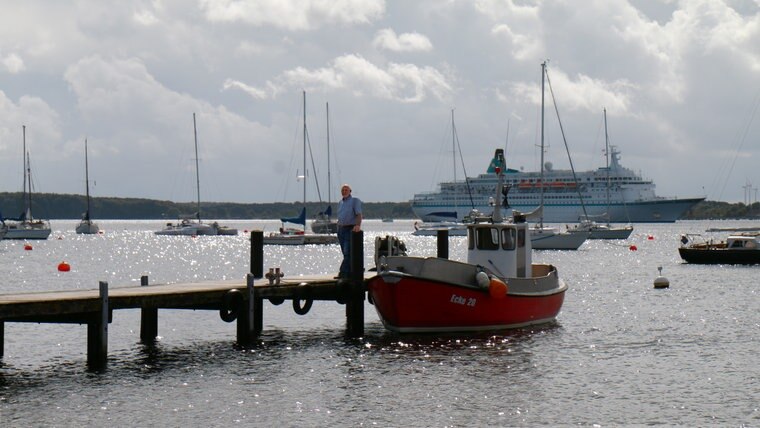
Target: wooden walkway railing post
[
  {"x": 355, "y": 300},
  {"x": 97, "y": 333},
  {"x": 443, "y": 244},
  {"x": 148, "y": 319}
]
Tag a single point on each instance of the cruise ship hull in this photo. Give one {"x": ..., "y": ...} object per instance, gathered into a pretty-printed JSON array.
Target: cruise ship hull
[
  {"x": 657, "y": 211},
  {"x": 611, "y": 194}
]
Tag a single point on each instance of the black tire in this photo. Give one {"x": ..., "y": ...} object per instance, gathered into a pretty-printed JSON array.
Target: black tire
[
  {"x": 302, "y": 310},
  {"x": 232, "y": 305}
]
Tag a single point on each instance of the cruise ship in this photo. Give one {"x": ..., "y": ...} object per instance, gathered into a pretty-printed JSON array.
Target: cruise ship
[{"x": 611, "y": 193}]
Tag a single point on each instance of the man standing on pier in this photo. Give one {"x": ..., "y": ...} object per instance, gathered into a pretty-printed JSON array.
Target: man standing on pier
[{"x": 349, "y": 220}]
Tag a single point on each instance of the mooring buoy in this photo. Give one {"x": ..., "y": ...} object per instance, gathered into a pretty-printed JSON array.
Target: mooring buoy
[{"x": 661, "y": 281}]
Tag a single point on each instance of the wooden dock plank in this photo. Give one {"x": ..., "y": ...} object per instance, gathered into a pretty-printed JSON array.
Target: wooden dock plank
[{"x": 206, "y": 294}]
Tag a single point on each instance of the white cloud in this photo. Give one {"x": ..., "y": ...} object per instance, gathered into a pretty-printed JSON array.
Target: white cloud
[
  {"x": 406, "y": 83},
  {"x": 13, "y": 63},
  {"x": 294, "y": 15},
  {"x": 407, "y": 42}
]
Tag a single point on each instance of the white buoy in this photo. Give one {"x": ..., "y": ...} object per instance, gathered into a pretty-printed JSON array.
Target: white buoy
[{"x": 661, "y": 281}]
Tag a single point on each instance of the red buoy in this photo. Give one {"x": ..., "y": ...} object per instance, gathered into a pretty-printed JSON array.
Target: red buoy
[
  {"x": 633, "y": 248},
  {"x": 64, "y": 267},
  {"x": 650, "y": 237},
  {"x": 28, "y": 247}
]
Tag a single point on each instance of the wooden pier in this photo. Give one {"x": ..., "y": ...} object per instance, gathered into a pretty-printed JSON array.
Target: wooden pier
[{"x": 235, "y": 301}]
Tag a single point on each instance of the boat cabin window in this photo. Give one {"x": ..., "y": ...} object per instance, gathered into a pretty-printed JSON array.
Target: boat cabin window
[
  {"x": 508, "y": 239},
  {"x": 486, "y": 238},
  {"x": 737, "y": 244}
]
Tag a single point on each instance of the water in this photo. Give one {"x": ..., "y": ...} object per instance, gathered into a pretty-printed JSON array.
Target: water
[{"x": 620, "y": 353}]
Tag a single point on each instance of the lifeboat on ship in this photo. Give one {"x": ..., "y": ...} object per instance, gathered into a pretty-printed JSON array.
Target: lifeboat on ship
[{"x": 498, "y": 287}]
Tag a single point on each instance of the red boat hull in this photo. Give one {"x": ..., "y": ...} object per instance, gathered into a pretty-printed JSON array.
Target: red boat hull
[{"x": 413, "y": 304}]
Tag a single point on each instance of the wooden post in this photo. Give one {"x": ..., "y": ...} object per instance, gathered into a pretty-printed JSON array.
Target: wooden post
[
  {"x": 257, "y": 253},
  {"x": 97, "y": 333},
  {"x": 443, "y": 244},
  {"x": 249, "y": 321},
  {"x": 148, "y": 319},
  {"x": 355, "y": 301},
  {"x": 2, "y": 338}
]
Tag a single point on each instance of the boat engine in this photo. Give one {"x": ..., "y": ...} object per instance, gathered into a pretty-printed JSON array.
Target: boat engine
[{"x": 388, "y": 246}]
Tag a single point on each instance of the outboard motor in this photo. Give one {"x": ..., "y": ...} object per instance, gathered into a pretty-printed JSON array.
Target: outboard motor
[{"x": 388, "y": 246}]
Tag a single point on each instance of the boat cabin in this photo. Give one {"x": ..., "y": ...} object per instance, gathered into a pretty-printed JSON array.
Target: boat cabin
[
  {"x": 503, "y": 248},
  {"x": 744, "y": 241}
]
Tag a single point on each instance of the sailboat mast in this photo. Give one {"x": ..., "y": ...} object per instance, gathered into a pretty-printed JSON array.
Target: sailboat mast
[
  {"x": 329, "y": 182},
  {"x": 197, "y": 173},
  {"x": 607, "y": 162},
  {"x": 454, "y": 162},
  {"x": 86, "y": 180},
  {"x": 541, "y": 200},
  {"x": 304, "y": 149}
]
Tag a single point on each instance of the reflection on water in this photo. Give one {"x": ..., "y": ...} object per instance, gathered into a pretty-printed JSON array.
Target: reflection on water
[{"x": 620, "y": 353}]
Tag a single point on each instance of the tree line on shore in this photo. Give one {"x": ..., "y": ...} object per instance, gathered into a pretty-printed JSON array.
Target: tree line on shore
[{"x": 68, "y": 206}]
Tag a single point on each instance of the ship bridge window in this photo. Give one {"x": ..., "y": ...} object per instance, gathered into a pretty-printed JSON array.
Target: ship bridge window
[
  {"x": 486, "y": 238},
  {"x": 508, "y": 239}
]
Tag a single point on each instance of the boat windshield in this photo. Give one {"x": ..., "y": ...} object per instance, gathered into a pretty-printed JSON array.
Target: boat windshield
[{"x": 508, "y": 239}]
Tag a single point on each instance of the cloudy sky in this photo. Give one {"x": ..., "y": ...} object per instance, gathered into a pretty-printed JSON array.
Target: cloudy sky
[{"x": 680, "y": 81}]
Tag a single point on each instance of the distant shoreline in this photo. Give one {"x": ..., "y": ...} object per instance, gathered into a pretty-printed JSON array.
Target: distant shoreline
[{"x": 71, "y": 207}]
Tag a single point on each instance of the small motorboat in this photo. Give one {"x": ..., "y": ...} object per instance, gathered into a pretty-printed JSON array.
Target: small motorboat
[
  {"x": 498, "y": 287},
  {"x": 740, "y": 249}
]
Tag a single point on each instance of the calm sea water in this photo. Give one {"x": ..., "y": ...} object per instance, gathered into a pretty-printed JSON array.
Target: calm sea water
[{"x": 620, "y": 353}]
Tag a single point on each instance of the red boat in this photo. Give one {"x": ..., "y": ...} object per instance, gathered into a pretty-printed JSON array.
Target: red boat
[{"x": 497, "y": 288}]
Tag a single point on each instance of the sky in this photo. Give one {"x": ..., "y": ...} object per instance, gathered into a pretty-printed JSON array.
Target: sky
[{"x": 680, "y": 82}]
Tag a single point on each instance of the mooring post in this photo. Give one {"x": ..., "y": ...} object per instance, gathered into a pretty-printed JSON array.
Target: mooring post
[
  {"x": 2, "y": 338},
  {"x": 148, "y": 319},
  {"x": 355, "y": 301},
  {"x": 443, "y": 244},
  {"x": 257, "y": 253},
  {"x": 249, "y": 321},
  {"x": 97, "y": 333}
]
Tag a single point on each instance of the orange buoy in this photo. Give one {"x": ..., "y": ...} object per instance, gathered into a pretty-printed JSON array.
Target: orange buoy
[
  {"x": 64, "y": 267},
  {"x": 497, "y": 288},
  {"x": 28, "y": 247},
  {"x": 633, "y": 248}
]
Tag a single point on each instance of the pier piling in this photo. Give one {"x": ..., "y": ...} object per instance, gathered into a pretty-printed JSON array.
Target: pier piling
[
  {"x": 257, "y": 254},
  {"x": 355, "y": 294},
  {"x": 443, "y": 244},
  {"x": 97, "y": 332},
  {"x": 148, "y": 319}
]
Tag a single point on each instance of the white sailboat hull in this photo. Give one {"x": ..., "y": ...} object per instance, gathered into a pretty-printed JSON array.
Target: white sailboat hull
[
  {"x": 28, "y": 230},
  {"x": 87, "y": 227}
]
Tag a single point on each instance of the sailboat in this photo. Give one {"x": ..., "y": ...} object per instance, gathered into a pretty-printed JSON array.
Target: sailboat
[
  {"x": 87, "y": 226},
  {"x": 195, "y": 227},
  {"x": 26, "y": 226},
  {"x": 546, "y": 238},
  {"x": 448, "y": 220},
  {"x": 293, "y": 229},
  {"x": 324, "y": 222},
  {"x": 604, "y": 231}
]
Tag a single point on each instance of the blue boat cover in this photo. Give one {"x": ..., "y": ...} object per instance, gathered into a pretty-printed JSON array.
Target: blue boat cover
[{"x": 301, "y": 219}]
